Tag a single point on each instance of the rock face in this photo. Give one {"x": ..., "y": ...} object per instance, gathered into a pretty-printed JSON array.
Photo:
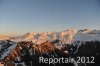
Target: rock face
[{"x": 28, "y": 53}]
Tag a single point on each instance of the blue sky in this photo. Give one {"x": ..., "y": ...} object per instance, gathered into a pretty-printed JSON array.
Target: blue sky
[{"x": 48, "y": 15}]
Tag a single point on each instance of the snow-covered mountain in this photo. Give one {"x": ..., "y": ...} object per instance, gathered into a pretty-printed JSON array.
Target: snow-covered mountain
[
  {"x": 87, "y": 35},
  {"x": 80, "y": 43},
  {"x": 2, "y": 37},
  {"x": 66, "y": 36}
]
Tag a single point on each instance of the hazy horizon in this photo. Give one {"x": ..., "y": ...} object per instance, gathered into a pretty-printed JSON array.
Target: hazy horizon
[{"x": 22, "y": 16}]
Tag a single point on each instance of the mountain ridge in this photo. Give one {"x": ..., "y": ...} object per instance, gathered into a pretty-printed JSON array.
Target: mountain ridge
[{"x": 66, "y": 36}]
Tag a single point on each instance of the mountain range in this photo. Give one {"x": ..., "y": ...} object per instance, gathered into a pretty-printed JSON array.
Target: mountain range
[
  {"x": 67, "y": 43},
  {"x": 66, "y": 36}
]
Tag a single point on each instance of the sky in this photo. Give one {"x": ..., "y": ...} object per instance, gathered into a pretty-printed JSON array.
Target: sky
[{"x": 22, "y": 16}]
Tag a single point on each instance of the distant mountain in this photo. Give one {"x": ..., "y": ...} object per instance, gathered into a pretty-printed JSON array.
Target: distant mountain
[
  {"x": 87, "y": 35},
  {"x": 2, "y": 37},
  {"x": 66, "y": 36}
]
